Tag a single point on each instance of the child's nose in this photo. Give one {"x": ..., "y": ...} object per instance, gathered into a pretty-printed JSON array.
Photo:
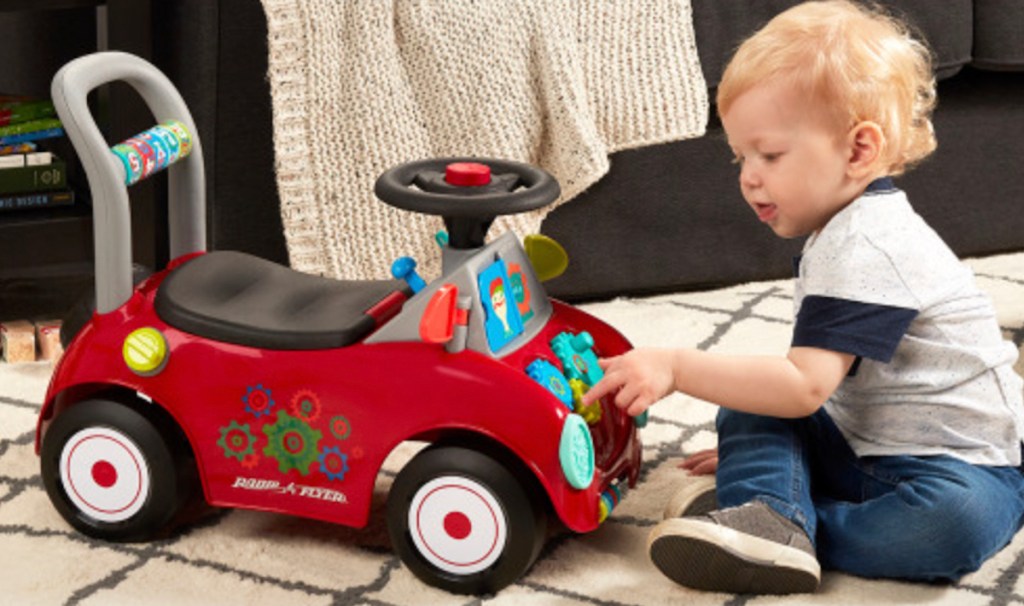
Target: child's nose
[{"x": 748, "y": 177}]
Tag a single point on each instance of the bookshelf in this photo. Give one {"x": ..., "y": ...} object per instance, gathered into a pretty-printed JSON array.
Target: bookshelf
[{"x": 46, "y": 254}]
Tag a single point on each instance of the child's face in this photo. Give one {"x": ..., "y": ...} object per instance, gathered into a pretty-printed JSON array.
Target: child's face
[{"x": 793, "y": 169}]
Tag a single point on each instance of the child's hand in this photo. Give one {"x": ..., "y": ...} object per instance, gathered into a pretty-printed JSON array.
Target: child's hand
[
  {"x": 638, "y": 378},
  {"x": 701, "y": 463}
]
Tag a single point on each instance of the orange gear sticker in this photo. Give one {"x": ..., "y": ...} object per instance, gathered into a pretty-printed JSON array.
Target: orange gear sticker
[{"x": 305, "y": 405}]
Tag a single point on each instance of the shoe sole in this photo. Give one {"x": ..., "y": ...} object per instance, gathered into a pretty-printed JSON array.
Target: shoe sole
[
  {"x": 709, "y": 557},
  {"x": 696, "y": 497}
]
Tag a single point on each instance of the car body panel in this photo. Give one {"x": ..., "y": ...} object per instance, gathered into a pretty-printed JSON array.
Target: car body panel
[{"x": 306, "y": 432}]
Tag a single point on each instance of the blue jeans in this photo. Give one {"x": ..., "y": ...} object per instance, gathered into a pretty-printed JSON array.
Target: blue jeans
[{"x": 932, "y": 518}]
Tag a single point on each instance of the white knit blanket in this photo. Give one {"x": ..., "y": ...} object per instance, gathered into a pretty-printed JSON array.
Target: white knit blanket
[{"x": 360, "y": 86}]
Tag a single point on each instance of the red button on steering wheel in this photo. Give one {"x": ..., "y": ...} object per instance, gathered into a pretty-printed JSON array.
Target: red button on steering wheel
[{"x": 467, "y": 174}]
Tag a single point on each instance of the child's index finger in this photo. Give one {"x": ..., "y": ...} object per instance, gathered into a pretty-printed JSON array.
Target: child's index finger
[{"x": 599, "y": 389}]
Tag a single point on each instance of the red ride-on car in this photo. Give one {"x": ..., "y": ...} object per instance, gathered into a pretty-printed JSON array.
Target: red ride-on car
[{"x": 255, "y": 386}]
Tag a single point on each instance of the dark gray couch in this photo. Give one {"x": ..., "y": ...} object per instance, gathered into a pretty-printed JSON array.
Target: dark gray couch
[{"x": 666, "y": 217}]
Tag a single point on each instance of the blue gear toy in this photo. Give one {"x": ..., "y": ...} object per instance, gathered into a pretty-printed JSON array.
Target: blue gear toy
[
  {"x": 549, "y": 377},
  {"x": 577, "y": 356}
]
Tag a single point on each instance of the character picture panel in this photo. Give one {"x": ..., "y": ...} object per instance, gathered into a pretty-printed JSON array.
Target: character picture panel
[{"x": 502, "y": 321}]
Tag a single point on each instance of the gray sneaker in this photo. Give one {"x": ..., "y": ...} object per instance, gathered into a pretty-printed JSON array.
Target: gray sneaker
[
  {"x": 745, "y": 549},
  {"x": 697, "y": 496}
]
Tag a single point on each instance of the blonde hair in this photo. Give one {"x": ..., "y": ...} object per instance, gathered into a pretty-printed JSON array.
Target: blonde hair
[{"x": 858, "y": 64}]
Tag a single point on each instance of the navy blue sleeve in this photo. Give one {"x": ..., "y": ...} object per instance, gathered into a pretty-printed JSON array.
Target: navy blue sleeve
[{"x": 864, "y": 329}]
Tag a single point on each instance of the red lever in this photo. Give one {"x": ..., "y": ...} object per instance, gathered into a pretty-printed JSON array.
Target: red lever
[
  {"x": 437, "y": 324},
  {"x": 467, "y": 174}
]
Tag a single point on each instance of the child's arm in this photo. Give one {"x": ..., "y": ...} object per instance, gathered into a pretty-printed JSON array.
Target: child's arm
[{"x": 795, "y": 385}]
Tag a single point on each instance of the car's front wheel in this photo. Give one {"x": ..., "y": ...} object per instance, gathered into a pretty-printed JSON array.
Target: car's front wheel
[
  {"x": 464, "y": 522},
  {"x": 115, "y": 473}
]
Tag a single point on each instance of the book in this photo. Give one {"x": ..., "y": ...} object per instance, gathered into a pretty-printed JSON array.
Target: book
[
  {"x": 46, "y": 199},
  {"x": 39, "y": 158},
  {"x": 12, "y": 161},
  {"x": 34, "y": 178},
  {"x": 35, "y": 135},
  {"x": 25, "y": 111},
  {"x": 18, "y": 148},
  {"x": 27, "y": 159},
  {"x": 21, "y": 128}
]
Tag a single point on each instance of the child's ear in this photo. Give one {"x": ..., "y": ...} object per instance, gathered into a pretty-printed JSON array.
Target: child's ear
[{"x": 866, "y": 142}]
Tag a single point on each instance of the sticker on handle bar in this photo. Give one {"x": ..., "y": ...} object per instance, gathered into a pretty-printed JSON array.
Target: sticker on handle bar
[{"x": 153, "y": 150}]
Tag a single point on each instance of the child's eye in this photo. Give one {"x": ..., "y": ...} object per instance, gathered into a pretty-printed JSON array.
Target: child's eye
[
  {"x": 737, "y": 159},
  {"x": 771, "y": 157}
]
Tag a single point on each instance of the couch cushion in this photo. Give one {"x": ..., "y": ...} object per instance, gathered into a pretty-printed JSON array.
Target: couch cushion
[
  {"x": 999, "y": 34},
  {"x": 721, "y": 25}
]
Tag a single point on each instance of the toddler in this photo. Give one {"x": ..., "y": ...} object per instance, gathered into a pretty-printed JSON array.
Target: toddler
[{"x": 887, "y": 441}]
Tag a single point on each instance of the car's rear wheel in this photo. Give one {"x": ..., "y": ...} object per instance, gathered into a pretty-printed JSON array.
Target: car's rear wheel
[
  {"x": 115, "y": 473},
  {"x": 463, "y": 521}
]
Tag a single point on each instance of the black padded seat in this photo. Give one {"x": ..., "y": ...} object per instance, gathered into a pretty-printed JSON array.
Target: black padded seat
[{"x": 237, "y": 298}]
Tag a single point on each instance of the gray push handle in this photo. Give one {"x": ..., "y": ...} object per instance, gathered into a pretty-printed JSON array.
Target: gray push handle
[{"x": 110, "y": 207}]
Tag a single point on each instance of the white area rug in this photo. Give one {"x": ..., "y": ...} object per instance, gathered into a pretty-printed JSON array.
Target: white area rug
[{"x": 238, "y": 557}]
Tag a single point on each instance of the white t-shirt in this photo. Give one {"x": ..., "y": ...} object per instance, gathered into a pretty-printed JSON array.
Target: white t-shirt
[{"x": 934, "y": 374}]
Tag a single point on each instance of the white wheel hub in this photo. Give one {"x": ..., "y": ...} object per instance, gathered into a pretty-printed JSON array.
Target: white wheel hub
[
  {"x": 104, "y": 474},
  {"x": 457, "y": 524}
]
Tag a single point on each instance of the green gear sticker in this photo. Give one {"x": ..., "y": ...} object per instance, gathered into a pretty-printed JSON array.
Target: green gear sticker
[
  {"x": 236, "y": 440},
  {"x": 292, "y": 443}
]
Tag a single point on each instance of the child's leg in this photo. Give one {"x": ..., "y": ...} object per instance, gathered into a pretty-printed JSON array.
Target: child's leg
[
  {"x": 765, "y": 459},
  {"x": 757, "y": 541},
  {"x": 923, "y": 518}
]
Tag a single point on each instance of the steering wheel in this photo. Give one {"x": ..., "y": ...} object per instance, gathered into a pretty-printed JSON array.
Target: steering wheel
[{"x": 468, "y": 193}]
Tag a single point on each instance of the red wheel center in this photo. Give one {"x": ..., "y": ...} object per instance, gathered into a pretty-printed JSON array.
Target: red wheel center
[
  {"x": 104, "y": 474},
  {"x": 457, "y": 525}
]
